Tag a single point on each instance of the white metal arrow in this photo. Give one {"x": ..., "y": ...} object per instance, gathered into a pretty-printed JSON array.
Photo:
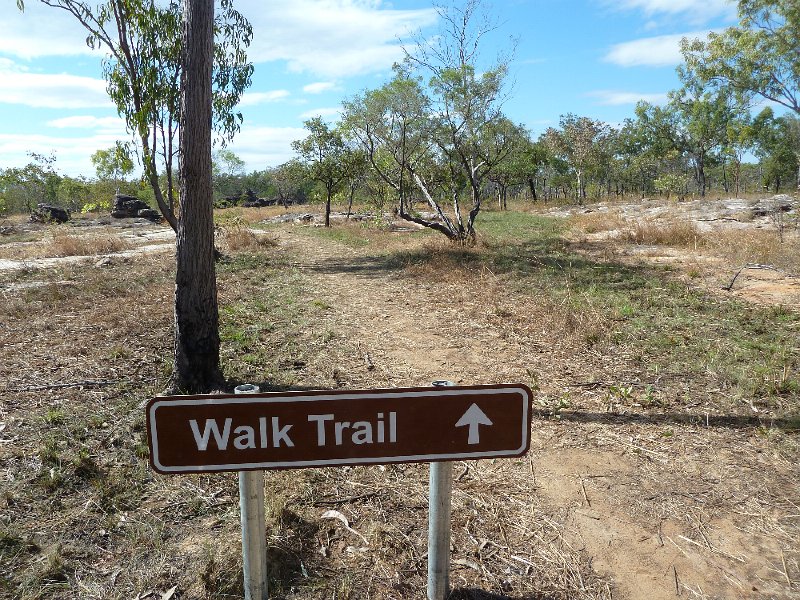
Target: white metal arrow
[{"x": 474, "y": 417}]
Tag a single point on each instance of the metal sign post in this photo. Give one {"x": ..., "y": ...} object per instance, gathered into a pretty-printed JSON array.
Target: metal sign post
[
  {"x": 439, "y": 511},
  {"x": 254, "y": 534}
]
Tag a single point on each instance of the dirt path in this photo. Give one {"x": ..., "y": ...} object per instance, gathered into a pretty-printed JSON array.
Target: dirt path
[{"x": 662, "y": 511}]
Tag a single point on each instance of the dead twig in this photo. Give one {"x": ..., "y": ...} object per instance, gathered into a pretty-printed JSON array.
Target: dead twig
[
  {"x": 585, "y": 495},
  {"x": 729, "y": 287},
  {"x": 785, "y": 570}
]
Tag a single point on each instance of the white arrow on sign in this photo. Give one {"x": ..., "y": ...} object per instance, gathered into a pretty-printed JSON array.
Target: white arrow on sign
[{"x": 474, "y": 417}]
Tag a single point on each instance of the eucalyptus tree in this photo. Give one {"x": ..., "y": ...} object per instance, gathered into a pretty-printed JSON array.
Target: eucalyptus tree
[
  {"x": 171, "y": 73},
  {"x": 196, "y": 342},
  {"x": 24, "y": 187},
  {"x": 356, "y": 169},
  {"x": 534, "y": 158},
  {"x": 518, "y": 165},
  {"x": 638, "y": 159},
  {"x": 391, "y": 123},
  {"x": 144, "y": 73},
  {"x": 740, "y": 139},
  {"x": 437, "y": 127},
  {"x": 289, "y": 181},
  {"x": 694, "y": 122},
  {"x": 227, "y": 173},
  {"x": 466, "y": 96},
  {"x": 777, "y": 145},
  {"x": 578, "y": 142},
  {"x": 759, "y": 56}
]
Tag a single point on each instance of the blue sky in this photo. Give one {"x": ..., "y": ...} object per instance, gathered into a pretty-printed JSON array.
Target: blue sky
[{"x": 595, "y": 58}]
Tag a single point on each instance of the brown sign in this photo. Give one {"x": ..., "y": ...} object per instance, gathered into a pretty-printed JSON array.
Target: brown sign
[{"x": 287, "y": 430}]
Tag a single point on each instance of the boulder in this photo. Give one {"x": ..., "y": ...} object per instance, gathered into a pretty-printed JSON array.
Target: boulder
[
  {"x": 47, "y": 213},
  {"x": 149, "y": 214},
  {"x": 128, "y": 207},
  {"x": 772, "y": 206}
]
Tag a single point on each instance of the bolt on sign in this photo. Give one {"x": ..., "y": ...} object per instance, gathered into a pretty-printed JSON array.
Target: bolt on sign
[{"x": 288, "y": 430}]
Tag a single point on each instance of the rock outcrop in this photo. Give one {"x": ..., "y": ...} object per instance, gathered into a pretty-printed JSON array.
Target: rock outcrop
[
  {"x": 47, "y": 213},
  {"x": 127, "y": 207}
]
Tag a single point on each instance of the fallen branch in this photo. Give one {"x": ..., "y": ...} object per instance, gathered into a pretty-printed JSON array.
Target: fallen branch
[{"x": 729, "y": 287}]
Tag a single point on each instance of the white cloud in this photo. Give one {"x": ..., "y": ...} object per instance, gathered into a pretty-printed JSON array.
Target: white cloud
[
  {"x": 255, "y": 98},
  {"x": 319, "y": 87},
  {"x": 616, "y": 98},
  {"x": 331, "y": 111},
  {"x": 52, "y": 90},
  {"x": 72, "y": 153},
  {"x": 89, "y": 122},
  {"x": 41, "y": 31},
  {"x": 691, "y": 10},
  {"x": 659, "y": 51},
  {"x": 262, "y": 147},
  {"x": 332, "y": 38}
]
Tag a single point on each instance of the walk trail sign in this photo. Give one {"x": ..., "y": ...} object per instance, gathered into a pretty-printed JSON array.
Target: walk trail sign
[{"x": 289, "y": 430}]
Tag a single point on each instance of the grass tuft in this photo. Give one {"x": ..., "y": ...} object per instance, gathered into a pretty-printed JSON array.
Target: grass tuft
[
  {"x": 64, "y": 243},
  {"x": 236, "y": 236},
  {"x": 681, "y": 234}
]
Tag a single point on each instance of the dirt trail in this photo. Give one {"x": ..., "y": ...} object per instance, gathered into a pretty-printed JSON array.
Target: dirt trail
[{"x": 662, "y": 517}]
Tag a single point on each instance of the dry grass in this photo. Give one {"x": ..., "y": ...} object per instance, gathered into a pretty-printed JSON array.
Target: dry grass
[
  {"x": 250, "y": 216},
  {"x": 57, "y": 241},
  {"x": 756, "y": 246},
  {"x": 64, "y": 243},
  {"x": 598, "y": 221},
  {"x": 680, "y": 234},
  {"x": 237, "y": 237}
]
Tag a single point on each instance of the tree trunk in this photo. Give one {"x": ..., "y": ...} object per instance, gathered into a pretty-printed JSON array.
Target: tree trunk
[
  {"x": 328, "y": 210},
  {"x": 196, "y": 368},
  {"x": 701, "y": 175},
  {"x": 532, "y": 187},
  {"x": 724, "y": 177},
  {"x": 350, "y": 203}
]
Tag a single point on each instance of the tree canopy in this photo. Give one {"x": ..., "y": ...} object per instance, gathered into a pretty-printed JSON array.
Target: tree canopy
[
  {"x": 760, "y": 55},
  {"x": 144, "y": 72}
]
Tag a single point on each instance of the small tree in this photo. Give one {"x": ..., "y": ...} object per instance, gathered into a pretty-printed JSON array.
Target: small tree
[
  {"x": 325, "y": 153},
  {"x": 777, "y": 144},
  {"x": 227, "y": 172},
  {"x": 113, "y": 163},
  {"x": 437, "y": 126},
  {"x": 672, "y": 183},
  {"x": 289, "y": 180},
  {"x": 578, "y": 142},
  {"x": 391, "y": 124},
  {"x": 73, "y": 193},
  {"x": 517, "y": 166},
  {"x": 466, "y": 100}
]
